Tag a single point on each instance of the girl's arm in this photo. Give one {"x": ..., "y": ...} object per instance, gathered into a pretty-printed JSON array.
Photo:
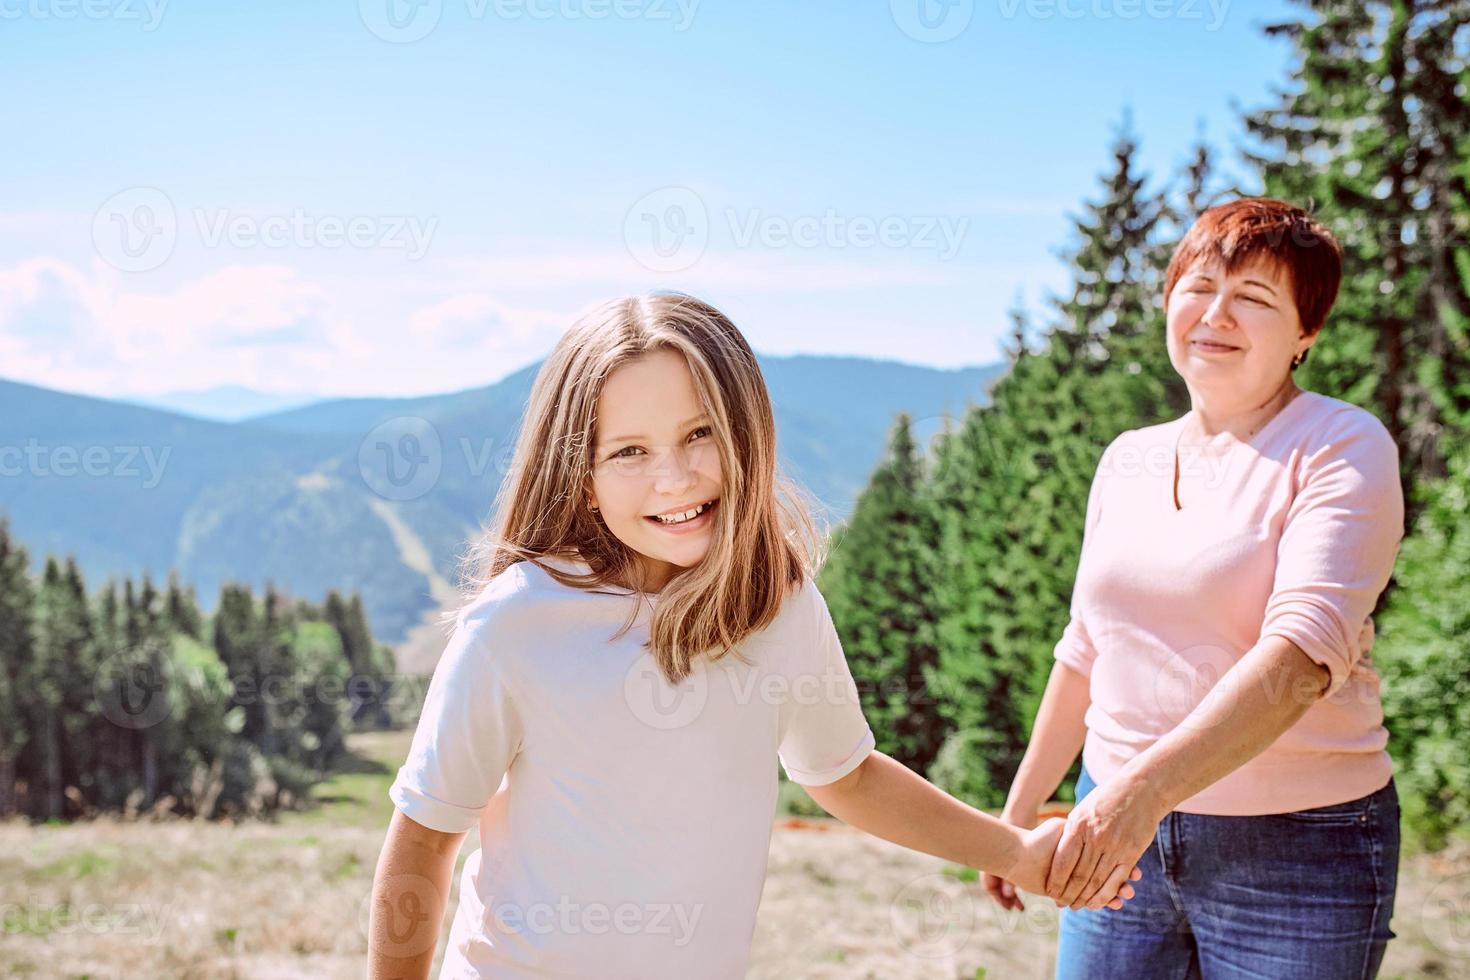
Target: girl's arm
[
  {"x": 887, "y": 799},
  {"x": 410, "y": 892}
]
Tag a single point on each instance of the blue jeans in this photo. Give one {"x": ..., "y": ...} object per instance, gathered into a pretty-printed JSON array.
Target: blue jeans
[{"x": 1287, "y": 896}]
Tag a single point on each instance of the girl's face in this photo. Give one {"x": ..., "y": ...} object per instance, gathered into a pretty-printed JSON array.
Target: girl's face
[
  {"x": 1234, "y": 334},
  {"x": 654, "y": 454}
]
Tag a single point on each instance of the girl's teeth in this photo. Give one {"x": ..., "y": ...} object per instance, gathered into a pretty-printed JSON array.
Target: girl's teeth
[{"x": 686, "y": 516}]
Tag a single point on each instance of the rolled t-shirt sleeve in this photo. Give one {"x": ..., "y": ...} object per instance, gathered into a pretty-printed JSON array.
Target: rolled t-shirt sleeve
[
  {"x": 1337, "y": 547},
  {"x": 1075, "y": 649},
  {"x": 826, "y": 735},
  {"x": 468, "y": 734}
]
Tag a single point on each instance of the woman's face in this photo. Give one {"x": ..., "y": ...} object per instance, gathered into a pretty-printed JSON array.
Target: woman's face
[
  {"x": 1234, "y": 335},
  {"x": 654, "y": 453}
]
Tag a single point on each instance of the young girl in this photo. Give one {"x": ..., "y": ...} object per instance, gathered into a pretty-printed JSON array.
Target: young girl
[{"x": 642, "y": 641}]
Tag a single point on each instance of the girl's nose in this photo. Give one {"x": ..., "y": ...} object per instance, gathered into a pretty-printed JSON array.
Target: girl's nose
[{"x": 673, "y": 474}]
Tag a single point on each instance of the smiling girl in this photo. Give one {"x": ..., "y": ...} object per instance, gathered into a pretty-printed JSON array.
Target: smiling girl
[{"x": 642, "y": 642}]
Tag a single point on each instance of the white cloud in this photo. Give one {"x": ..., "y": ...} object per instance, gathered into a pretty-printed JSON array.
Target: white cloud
[
  {"x": 89, "y": 330},
  {"x": 267, "y": 326}
]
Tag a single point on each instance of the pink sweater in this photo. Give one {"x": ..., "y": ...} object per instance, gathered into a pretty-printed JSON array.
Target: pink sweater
[{"x": 1291, "y": 533}]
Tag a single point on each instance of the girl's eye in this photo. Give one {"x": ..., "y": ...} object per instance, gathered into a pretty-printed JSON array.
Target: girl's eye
[{"x": 625, "y": 453}]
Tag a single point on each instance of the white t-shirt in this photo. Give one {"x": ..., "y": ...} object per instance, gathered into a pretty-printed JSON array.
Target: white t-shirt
[{"x": 625, "y": 824}]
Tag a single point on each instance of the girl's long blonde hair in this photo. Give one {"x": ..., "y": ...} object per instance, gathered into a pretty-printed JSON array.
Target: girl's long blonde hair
[{"x": 764, "y": 540}]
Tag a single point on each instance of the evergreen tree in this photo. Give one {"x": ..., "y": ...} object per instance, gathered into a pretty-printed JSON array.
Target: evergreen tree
[
  {"x": 237, "y": 643},
  {"x": 1372, "y": 134},
  {"x": 62, "y": 636},
  {"x": 371, "y": 666},
  {"x": 877, "y": 584},
  {"x": 183, "y": 609},
  {"x": 17, "y": 661}
]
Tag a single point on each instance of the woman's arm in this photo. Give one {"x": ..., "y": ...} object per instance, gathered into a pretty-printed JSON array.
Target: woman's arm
[
  {"x": 410, "y": 891},
  {"x": 1257, "y": 699},
  {"x": 1056, "y": 738}
]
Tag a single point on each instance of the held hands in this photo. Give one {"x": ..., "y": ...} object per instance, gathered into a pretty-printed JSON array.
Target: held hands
[
  {"x": 1105, "y": 833},
  {"x": 1032, "y": 871}
]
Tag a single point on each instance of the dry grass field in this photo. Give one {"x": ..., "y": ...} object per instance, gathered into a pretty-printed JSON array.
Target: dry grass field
[{"x": 110, "y": 899}]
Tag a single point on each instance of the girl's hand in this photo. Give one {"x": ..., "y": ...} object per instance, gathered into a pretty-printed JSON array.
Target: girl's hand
[{"x": 999, "y": 889}]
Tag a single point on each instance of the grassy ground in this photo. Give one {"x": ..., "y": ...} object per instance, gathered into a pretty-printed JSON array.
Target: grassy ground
[{"x": 289, "y": 899}]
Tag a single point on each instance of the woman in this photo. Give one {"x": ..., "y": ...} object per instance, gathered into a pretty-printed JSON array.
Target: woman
[{"x": 1216, "y": 661}]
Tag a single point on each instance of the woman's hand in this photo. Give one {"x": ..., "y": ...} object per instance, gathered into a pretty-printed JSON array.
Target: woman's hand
[
  {"x": 1002, "y": 891},
  {"x": 1037, "y": 847},
  {"x": 1106, "y": 834}
]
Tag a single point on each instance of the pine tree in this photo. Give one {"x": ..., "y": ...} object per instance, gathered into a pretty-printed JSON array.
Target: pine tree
[
  {"x": 371, "y": 666},
  {"x": 877, "y": 585},
  {"x": 62, "y": 638},
  {"x": 80, "y": 711},
  {"x": 1372, "y": 135},
  {"x": 237, "y": 634},
  {"x": 183, "y": 609},
  {"x": 17, "y": 661}
]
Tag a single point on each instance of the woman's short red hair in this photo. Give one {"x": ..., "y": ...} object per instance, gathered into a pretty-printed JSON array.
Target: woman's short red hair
[{"x": 1263, "y": 229}]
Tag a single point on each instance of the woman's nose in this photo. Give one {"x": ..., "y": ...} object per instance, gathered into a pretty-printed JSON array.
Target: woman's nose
[{"x": 1217, "y": 314}]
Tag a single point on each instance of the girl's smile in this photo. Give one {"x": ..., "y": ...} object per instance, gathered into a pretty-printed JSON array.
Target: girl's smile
[{"x": 685, "y": 520}]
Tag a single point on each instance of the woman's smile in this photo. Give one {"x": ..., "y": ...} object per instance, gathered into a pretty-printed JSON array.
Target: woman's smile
[{"x": 1212, "y": 347}]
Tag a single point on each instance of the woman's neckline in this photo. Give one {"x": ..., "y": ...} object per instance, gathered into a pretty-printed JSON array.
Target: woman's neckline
[{"x": 1301, "y": 395}]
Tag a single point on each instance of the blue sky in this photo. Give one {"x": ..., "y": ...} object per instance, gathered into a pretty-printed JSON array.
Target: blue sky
[{"x": 315, "y": 197}]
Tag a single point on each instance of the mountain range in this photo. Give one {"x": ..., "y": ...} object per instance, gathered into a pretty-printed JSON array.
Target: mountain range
[{"x": 373, "y": 495}]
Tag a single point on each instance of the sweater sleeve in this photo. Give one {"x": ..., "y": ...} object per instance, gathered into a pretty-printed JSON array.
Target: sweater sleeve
[
  {"x": 1338, "y": 546},
  {"x": 1075, "y": 649}
]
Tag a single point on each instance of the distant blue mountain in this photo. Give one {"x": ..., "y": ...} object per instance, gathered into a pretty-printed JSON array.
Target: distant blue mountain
[{"x": 225, "y": 403}]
